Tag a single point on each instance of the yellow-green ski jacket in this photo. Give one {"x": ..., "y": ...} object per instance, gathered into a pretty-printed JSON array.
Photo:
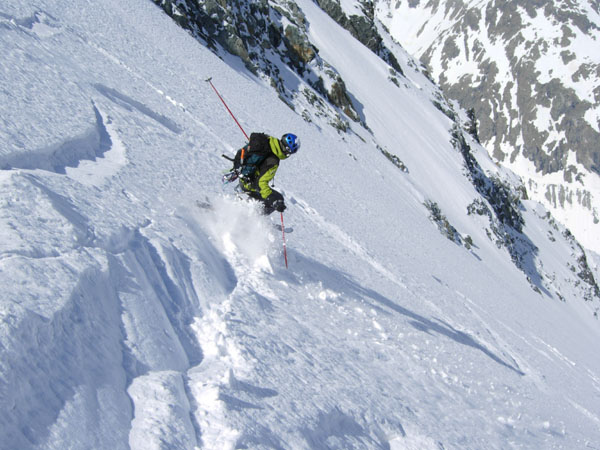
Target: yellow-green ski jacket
[{"x": 266, "y": 171}]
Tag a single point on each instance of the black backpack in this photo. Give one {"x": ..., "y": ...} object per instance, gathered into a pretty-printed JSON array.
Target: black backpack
[{"x": 257, "y": 150}]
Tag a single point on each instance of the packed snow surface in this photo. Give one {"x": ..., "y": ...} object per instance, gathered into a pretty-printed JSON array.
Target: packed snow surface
[{"x": 132, "y": 318}]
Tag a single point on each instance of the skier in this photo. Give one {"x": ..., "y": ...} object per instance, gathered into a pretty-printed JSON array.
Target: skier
[{"x": 256, "y": 164}]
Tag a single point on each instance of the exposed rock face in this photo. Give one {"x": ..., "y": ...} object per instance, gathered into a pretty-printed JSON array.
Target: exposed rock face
[
  {"x": 361, "y": 24},
  {"x": 270, "y": 38},
  {"x": 530, "y": 71}
]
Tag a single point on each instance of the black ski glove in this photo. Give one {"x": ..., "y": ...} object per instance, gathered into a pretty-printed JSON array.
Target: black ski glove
[
  {"x": 279, "y": 206},
  {"x": 275, "y": 202}
]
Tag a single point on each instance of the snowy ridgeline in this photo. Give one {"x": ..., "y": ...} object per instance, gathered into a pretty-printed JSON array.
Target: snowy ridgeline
[{"x": 132, "y": 318}]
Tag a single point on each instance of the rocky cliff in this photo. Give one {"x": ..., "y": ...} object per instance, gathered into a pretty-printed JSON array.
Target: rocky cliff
[{"x": 530, "y": 71}]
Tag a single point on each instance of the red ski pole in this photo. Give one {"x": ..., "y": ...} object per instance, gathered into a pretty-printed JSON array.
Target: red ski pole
[
  {"x": 284, "y": 246},
  {"x": 227, "y": 107}
]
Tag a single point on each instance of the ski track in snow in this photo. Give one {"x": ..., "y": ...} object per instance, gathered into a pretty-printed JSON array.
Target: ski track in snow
[
  {"x": 358, "y": 250},
  {"x": 345, "y": 240}
]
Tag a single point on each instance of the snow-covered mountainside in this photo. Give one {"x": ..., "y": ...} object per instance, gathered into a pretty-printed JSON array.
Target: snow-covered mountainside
[
  {"x": 530, "y": 71},
  {"x": 275, "y": 44},
  {"x": 428, "y": 304}
]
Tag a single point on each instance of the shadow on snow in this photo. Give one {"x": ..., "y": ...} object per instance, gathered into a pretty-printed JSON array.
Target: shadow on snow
[{"x": 341, "y": 282}]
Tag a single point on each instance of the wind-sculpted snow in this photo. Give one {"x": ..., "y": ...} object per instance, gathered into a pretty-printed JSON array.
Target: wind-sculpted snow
[
  {"x": 69, "y": 152},
  {"x": 129, "y": 104},
  {"x": 124, "y": 318},
  {"x": 130, "y": 317}
]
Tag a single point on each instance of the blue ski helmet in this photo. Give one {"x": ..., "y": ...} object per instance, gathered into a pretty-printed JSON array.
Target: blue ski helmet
[{"x": 291, "y": 142}]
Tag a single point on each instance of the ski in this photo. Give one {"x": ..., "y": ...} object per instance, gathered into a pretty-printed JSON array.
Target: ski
[
  {"x": 204, "y": 204},
  {"x": 277, "y": 226},
  {"x": 207, "y": 205}
]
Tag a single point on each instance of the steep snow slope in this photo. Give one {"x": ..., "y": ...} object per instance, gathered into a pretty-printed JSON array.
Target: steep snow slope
[{"x": 133, "y": 318}]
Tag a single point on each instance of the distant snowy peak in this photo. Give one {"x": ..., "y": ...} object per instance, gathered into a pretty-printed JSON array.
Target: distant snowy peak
[{"x": 531, "y": 72}]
